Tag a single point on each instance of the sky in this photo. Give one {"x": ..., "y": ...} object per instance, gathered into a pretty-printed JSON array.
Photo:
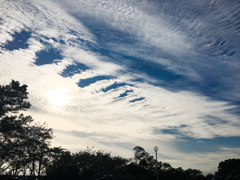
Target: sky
[{"x": 115, "y": 74}]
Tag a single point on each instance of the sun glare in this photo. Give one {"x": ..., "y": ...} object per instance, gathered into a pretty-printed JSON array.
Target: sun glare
[{"x": 58, "y": 98}]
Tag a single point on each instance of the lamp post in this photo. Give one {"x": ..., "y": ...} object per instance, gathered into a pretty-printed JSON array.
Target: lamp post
[{"x": 156, "y": 150}]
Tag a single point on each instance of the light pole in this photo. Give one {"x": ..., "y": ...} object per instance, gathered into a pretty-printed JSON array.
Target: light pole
[{"x": 156, "y": 150}]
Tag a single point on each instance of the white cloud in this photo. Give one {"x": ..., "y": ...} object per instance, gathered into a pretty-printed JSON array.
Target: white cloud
[{"x": 130, "y": 18}]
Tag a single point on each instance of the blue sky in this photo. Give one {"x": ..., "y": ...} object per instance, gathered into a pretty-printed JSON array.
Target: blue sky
[{"x": 116, "y": 74}]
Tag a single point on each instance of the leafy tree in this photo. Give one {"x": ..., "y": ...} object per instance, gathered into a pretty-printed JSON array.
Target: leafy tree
[
  {"x": 179, "y": 173},
  {"x": 209, "y": 176},
  {"x": 144, "y": 165},
  {"x": 23, "y": 146},
  {"x": 194, "y": 174},
  {"x": 229, "y": 170},
  {"x": 172, "y": 174},
  {"x": 143, "y": 158},
  {"x": 13, "y": 98},
  {"x": 85, "y": 164},
  {"x": 37, "y": 144},
  {"x": 93, "y": 164},
  {"x": 62, "y": 166}
]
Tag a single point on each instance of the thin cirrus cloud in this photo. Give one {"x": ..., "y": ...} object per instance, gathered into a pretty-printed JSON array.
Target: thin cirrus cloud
[{"x": 115, "y": 74}]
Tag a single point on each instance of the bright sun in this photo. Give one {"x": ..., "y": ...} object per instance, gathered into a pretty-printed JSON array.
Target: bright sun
[{"x": 58, "y": 98}]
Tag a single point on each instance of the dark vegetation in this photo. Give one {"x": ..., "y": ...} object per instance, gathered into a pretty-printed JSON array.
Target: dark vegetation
[{"x": 25, "y": 150}]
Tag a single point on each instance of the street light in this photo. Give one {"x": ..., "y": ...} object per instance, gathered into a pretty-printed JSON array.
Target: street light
[{"x": 156, "y": 150}]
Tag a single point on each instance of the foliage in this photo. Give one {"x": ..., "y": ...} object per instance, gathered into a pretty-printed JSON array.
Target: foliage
[
  {"x": 229, "y": 170},
  {"x": 209, "y": 176},
  {"x": 13, "y": 98},
  {"x": 85, "y": 164},
  {"x": 144, "y": 165},
  {"x": 23, "y": 146}
]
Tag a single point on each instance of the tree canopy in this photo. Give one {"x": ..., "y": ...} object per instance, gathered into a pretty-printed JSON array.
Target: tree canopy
[
  {"x": 13, "y": 98},
  {"x": 229, "y": 169},
  {"x": 23, "y": 145}
]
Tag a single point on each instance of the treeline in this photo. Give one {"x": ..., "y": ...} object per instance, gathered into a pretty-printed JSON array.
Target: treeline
[{"x": 25, "y": 149}]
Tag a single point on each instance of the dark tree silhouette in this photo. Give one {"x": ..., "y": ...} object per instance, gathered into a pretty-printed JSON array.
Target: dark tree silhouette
[
  {"x": 85, "y": 164},
  {"x": 143, "y": 158},
  {"x": 13, "y": 98},
  {"x": 229, "y": 170},
  {"x": 62, "y": 166},
  {"x": 23, "y": 146},
  {"x": 194, "y": 174},
  {"x": 177, "y": 173},
  {"x": 144, "y": 165},
  {"x": 37, "y": 144},
  {"x": 209, "y": 176}
]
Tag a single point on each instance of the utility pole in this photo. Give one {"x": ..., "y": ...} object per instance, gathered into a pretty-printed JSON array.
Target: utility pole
[{"x": 156, "y": 150}]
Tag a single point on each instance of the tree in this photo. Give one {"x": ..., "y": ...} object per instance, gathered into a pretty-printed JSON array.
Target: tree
[
  {"x": 194, "y": 174},
  {"x": 62, "y": 166},
  {"x": 144, "y": 165},
  {"x": 22, "y": 145},
  {"x": 178, "y": 173},
  {"x": 93, "y": 164},
  {"x": 12, "y": 100},
  {"x": 143, "y": 158},
  {"x": 209, "y": 176},
  {"x": 229, "y": 170},
  {"x": 85, "y": 164},
  {"x": 37, "y": 144}
]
